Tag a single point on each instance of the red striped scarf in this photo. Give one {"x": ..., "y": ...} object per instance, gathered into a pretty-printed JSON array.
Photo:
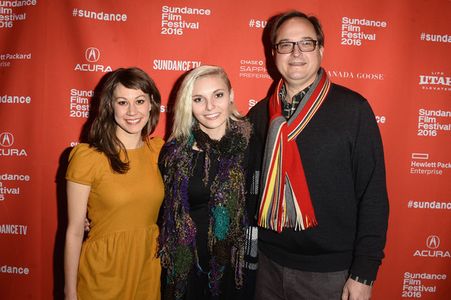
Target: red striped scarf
[{"x": 286, "y": 201}]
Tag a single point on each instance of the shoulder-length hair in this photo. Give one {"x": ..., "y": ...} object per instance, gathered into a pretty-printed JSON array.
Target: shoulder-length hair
[
  {"x": 102, "y": 134},
  {"x": 183, "y": 112}
]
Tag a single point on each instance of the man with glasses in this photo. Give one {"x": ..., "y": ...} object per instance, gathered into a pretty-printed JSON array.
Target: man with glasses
[{"x": 323, "y": 209}]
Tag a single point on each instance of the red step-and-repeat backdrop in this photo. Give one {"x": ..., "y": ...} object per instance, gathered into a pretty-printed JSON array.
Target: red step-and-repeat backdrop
[{"x": 54, "y": 53}]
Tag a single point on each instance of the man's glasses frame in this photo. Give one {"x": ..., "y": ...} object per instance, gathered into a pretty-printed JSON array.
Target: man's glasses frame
[{"x": 306, "y": 45}]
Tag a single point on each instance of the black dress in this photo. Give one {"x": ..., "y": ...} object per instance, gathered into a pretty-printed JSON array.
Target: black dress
[
  {"x": 199, "y": 197},
  {"x": 197, "y": 287}
]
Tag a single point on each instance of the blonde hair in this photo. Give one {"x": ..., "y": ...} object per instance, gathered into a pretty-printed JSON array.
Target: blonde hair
[{"x": 183, "y": 113}]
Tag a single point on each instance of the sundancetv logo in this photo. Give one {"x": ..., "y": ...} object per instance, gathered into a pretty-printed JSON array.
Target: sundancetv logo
[
  {"x": 433, "y": 250},
  {"x": 92, "y": 56},
  {"x": 6, "y": 146}
]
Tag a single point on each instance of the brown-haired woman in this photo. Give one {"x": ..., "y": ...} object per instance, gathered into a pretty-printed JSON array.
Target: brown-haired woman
[{"x": 115, "y": 180}]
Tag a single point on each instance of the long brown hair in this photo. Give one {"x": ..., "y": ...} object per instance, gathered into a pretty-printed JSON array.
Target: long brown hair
[{"x": 102, "y": 134}]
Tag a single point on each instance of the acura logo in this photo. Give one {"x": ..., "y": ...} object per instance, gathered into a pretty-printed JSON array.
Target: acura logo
[
  {"x": 432, "y": 242},
  {"x": 92, "y": 54},
  {"x": 6, "y": 139}
]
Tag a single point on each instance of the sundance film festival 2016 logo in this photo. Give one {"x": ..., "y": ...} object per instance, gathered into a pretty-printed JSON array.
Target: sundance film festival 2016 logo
[
  {"x": 437, "y": 81},
  {"x": 6, "y": 146},
  {"x": 354, "y": 31},
  {"x": 8, "y": 184},
  {"x": 432, "y": 244},
  {"x": 174, "y": 19},
  {"x": 92, "y": 56}
]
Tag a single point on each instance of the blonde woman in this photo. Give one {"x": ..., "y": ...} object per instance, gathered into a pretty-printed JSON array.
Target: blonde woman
[{"x": 204, "y": 218}]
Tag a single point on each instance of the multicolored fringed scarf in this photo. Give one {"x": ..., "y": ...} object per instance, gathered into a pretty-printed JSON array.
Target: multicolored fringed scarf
[
  {"x": 227, "y": 220},
  {"x": 286, "y": 199}
]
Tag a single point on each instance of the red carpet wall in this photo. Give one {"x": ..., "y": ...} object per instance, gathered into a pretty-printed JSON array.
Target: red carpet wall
[{"x": 54, "y": 53}]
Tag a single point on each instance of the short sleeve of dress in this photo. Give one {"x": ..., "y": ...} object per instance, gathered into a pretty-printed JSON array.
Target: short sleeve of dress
[
  {"x": 155, "y": 145},
  {"x": 82, "y": 164}
]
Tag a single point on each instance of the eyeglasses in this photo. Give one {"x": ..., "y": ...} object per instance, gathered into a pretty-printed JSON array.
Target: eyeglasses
[{"x": 303, "y": 45}]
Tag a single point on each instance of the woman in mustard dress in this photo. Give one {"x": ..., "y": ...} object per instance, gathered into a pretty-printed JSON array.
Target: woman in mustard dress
[{"x": 115, "y": 181}]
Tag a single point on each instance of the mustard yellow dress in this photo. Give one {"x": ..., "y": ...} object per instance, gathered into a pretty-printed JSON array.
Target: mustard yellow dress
[{"x": 118, "y": 259}]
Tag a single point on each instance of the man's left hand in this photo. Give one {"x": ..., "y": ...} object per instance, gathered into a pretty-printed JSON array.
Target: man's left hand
[{"x": 354, "y": 290}]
